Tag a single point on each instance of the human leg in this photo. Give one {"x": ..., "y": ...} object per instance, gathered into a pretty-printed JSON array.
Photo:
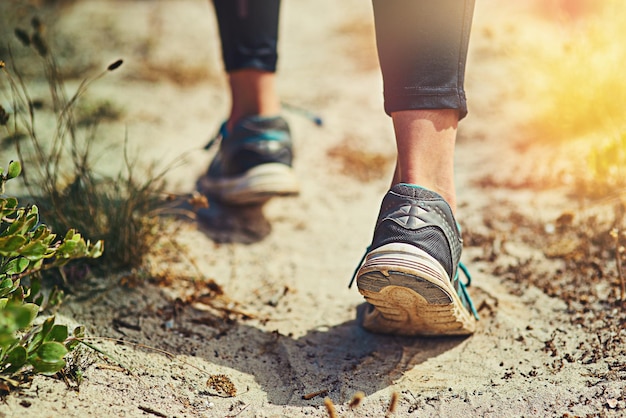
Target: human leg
[
  {"x": 425, "y": 142},
  {"x": 410, "y": 273},
  {"x": 249, "y": 36},
  {"x": 253, "y": 93},
  {"x": 254, "y": 160}
]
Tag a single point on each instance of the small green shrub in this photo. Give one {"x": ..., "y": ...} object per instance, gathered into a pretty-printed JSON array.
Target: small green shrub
[{"x": 26, "y": 248}]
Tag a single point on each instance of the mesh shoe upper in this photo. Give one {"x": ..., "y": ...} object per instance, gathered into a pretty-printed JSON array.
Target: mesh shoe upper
[
  {"x": 254, "y": 141},
  {"x": 420, "y": 217},
  {"x": 409, "y": 275}
]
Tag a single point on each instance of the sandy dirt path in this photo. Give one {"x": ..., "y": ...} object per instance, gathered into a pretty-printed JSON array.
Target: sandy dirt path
[{"x": 287, "y": 264}]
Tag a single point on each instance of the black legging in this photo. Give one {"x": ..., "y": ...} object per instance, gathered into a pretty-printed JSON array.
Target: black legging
[{"x": 422, "y": 47}]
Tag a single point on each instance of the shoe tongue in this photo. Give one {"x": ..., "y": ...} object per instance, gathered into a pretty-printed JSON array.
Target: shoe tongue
[{"x": 414, "y": 191}]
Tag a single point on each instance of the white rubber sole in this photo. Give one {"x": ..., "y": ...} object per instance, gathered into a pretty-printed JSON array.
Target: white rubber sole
[
  {"x": 410, "y": 294},
  {"x": 255, "y": 186}
]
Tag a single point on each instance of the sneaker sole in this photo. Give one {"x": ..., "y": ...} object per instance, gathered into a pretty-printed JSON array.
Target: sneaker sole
[
  {"x": 255, "y": 186},
  {"x": 410, "y": 294}
]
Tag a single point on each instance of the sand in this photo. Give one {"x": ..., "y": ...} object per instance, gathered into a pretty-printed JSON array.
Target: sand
[{"x": 290, "y": 336}]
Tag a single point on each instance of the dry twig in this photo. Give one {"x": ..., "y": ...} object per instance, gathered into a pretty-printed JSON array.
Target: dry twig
[
  {"x": 315, "y": 394},
  {"x": 618, "y": 261},
  {"x": 330, "y": 408}
]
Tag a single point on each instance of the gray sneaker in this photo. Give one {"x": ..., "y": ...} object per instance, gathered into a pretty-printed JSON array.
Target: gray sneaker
[
  {"x": 253, "y": 163},
  {"x": 409, "y": 275}
]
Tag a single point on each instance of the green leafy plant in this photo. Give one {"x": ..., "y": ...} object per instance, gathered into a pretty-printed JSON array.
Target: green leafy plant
[{"x": 26, "y": 248}]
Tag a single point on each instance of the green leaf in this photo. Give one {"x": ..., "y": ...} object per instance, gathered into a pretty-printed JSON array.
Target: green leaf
[
  {"x": 13, "y": 317},
  {"x": 16, "y": 297},
  {"x": 15, "y": 359},
  {"x": 97, "y": 249},
  {"x": 35, "y": 265},
  {"x": 9, "y": 244},
  {"x": 40, "y": 336},
  {"x": 11, "y": 202},
  {"x": 7, "y": 339},
  {"x": 51, "y": 351},
  {"x": 18, "y": 224},
  {"x": 79, "y": 332},
  {"x": 66, "y": 249},
  {"x": 58, "y": 333},
  {"x": 7, "y": 286},
  {"x": 8, "y": 205},
  {"x": 34, "y": 250},
  {"x": 35, "y": 290},
  {"x": 15, "y": 168},
  {"x": 16, "y": 266},
  {"x": 23, "y": 315},
  {"x": 49, "y": 357},
  {"x": 47, "y": 326},
  {"x": 42, "y": 233}
]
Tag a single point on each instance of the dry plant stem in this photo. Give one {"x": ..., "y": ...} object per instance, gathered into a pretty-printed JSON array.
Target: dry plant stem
[
  {"x": 330, "y": 408},
  {"x": 312, "y": 395},
  {"x": 393, "y": 403},
  {"x": 618, "y": 262},
  {"x": 357, "y": 399},
  {"x": 104, "y": 353},
  {"x": 238, "y": 413},
  {"x": 49, "y": 161},
  {"x": 21, "y": 99},
  {"x": 152, "y": 411},
  {"x": 169, "y": 355},
  {"x": 234, "y": 311}
]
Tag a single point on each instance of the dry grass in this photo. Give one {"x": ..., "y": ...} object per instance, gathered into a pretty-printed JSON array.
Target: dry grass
[
  {"x": 358, "y": 163},
  {"x": 182, "y": 75},
  {"x": 589, "y": 251},
  {"x": 60, "y": 173}
]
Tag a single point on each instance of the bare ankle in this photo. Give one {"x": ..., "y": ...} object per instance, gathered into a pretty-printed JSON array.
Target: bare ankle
[{"x": 253, "y": 92}]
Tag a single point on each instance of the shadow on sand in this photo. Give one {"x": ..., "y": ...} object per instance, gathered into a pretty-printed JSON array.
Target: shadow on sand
[
  {"x": 340, "y": 359},
  {"x": 233, "y": 224}
]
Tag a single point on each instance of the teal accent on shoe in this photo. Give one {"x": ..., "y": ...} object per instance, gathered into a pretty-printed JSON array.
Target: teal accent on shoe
[
  {"x": 221, "y": 134},
  {"x": 267, "y": 136},
  {"x": 415, "y": 186},
  {"x": 316, "y": 119},
  {"x": 463, "y": 286},
  {"x": 463, "y": 289},
  {"x": 358, "y": 266}
]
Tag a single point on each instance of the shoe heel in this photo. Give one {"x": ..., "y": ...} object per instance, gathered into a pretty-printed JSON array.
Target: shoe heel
[
  {"x": 255, "y": 186},
  {"x": 411, "y": 294}
]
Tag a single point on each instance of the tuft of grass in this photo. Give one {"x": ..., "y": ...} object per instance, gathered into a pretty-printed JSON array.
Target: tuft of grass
[{"x": 59, "y": 170}]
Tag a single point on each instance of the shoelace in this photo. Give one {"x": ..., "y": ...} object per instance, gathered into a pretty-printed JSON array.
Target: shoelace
[
  {"x": 462, "y": 286},
  {"x": 223, "y": 132},
  {"x": 358, "y": 266}
]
